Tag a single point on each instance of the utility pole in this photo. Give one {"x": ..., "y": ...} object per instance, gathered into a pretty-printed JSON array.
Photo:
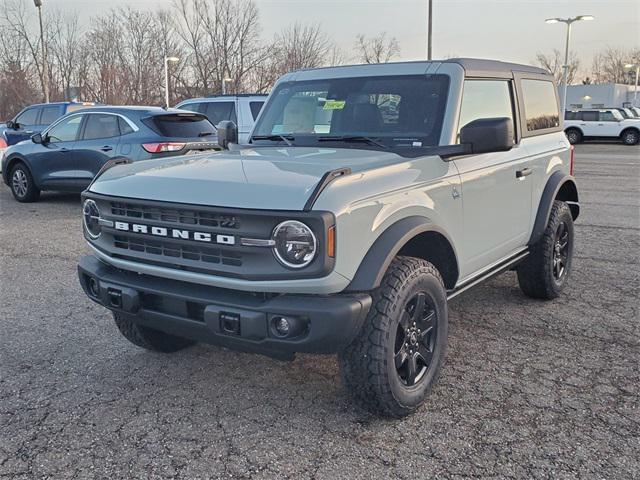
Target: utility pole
[
  {"x": 166, "y": 78},
  {"x": 45, "y": 72},
  {"x": 429, "y": 30}
]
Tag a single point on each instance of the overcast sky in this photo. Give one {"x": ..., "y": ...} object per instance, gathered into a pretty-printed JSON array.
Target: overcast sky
[{"x": 512, "y": 30}]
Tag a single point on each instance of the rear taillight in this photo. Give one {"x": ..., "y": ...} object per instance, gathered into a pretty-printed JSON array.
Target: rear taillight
[
  {"x": 163, "y": 147},
  {"x": 571, "y": 160},
  {"x": 3, "y": 143}
]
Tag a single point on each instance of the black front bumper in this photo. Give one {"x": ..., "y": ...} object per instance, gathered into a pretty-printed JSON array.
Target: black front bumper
[{"x": 239, "y": 320}]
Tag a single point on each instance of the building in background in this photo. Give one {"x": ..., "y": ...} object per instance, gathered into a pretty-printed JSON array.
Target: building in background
[{"x": 600, "y": 96}]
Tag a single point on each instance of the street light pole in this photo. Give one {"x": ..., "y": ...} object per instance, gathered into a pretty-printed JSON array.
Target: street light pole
[
  {"x": 565, "y": 67},
  {"x": 635, "y": 88},
  {"x": 166, "y": 78},
  {"x": 429, "y": 32},
  {"x": 45, "y": 73}
]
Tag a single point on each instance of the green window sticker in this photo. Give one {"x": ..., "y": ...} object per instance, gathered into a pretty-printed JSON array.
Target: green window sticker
[{"x": 334, "y": 104}]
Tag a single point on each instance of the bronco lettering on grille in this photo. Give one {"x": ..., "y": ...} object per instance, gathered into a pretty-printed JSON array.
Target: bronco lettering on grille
[{"x": 175, "y": 233}]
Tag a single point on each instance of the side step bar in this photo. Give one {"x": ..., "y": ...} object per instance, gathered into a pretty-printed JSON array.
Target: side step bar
[{"x": 498, "y": 269}]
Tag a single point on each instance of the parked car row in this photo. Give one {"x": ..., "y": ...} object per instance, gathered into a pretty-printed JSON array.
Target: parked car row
[
  {"x": 62, "y": 146},
  {"x": 603, "y": 123}
]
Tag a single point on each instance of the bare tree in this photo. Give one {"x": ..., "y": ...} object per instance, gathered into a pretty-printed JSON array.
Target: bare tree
[
  {"x": 608, "y": 65},
  {"x": 301, "y": 46},
  {"x": 18, "y": 25},
  {"x": 553, "y": 63},
  {"x": 379, "y": 49},
  {"x": 66, "y": 52}
]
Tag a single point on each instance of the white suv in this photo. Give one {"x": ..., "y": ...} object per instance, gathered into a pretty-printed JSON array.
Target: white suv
[
  {"x": 241, "y": 109},
  {"x": 602, "y": 123}
]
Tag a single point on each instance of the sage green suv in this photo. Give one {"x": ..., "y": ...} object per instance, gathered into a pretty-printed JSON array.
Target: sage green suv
[{"x": 368, "y": 196}]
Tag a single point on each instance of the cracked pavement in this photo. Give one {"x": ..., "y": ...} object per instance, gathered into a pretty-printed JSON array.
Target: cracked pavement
[{"x": 530, "y": 389}]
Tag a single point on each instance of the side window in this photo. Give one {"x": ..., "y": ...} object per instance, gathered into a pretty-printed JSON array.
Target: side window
[
  {"x": 28, "y": 117},
  {"x": 219, "y": 111},
  {"x": 66, "y": 130},
  {"x": 485, "y": 99},
  {"x": 607, "y": 117},
  {"x": 100, "y": 125},
  {"x": 571, "y": 115},
  {"x": 193, "y": 107},
  {"x": 589, "y": 116},
  {"x": 255, "y": 108},
  {"x": 125, "y": 128},
  {"x": 540, "y": 104},
  {"x": 49, "y": 115}
]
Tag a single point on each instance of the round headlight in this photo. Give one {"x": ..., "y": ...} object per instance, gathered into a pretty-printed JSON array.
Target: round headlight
[
  {"x": 91, "y": 218},
  {"x": 296, "y": 245}
]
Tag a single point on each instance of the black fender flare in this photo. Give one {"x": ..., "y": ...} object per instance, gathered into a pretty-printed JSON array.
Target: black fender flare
[
  {"x": 385, "y": 248},
  {"x": 556, "y": 181}
]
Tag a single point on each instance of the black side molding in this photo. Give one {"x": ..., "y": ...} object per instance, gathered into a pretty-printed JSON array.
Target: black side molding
[{"x": 326, "y": 179}]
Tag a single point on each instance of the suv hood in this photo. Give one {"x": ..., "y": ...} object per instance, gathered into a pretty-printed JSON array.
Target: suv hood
[{"x": 276, "y": 178}]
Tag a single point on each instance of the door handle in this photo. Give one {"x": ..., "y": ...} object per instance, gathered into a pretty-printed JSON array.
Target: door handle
[
  {"x": 106, "y": 148},
  {"x": 525, "y": 172},
  {"x": 64, "y": 150}
]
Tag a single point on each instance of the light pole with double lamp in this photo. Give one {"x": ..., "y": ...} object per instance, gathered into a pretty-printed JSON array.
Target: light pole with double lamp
[
  {"x": 166, "y": 77},
  {"x": 635, "y": 89},
  {"x": 565, "y": 67}
]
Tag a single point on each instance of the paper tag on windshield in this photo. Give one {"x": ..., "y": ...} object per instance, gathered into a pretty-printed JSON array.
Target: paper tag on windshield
[{"x": 334, "y": 104}]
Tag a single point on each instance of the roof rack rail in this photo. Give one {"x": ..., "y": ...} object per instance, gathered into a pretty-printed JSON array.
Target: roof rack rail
[{"x": 237, "y": 95}]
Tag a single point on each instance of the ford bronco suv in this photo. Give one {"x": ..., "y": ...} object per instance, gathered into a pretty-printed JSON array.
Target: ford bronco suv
[{"x": 368, "y": 196}]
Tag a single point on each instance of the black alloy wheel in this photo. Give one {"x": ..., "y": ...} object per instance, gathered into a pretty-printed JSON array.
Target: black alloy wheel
[
  {"x": 415, "y": 340},
  {"x": 560, "y": 252}
]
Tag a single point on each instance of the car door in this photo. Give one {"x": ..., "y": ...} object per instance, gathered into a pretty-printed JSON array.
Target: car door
[
  {"x": 97, "y": 143},
  {"x": 609, "y": 124},
  {"x": 26, "y": 124},
  {"x": 53, "y": 161},
  {"x": 589, "y": 123},
  {"x": 495, "y": 192}
]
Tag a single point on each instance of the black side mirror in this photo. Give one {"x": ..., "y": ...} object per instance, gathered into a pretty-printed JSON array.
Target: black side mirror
[
  {"x": 12, "y": 125},
  {"x": 488, "y": 135},
  {"x": 227, "y": 133},
  {"x": 37, "y": 138}
]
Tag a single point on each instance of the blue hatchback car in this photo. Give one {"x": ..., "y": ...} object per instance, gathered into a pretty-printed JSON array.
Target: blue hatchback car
[{"x": 69, "y": 153}]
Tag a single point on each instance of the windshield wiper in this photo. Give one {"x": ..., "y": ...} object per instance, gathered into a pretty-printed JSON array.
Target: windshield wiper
[
  {"x": 353, "y": 139},
  {"x": 274, "y": 138},
  {"x": 204, "y": 134}
]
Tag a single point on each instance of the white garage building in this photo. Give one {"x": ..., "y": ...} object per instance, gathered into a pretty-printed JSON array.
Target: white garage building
[{"x": 600, "y": 96}]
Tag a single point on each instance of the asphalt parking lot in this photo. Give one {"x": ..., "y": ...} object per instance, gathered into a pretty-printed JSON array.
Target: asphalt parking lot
[{"x": 530, "y": 390}]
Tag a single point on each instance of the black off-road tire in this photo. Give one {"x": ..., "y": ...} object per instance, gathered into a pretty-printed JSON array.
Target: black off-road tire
[
  {"x": 630, "y": 136},
  {"x": 573, "y": 135},
  {"x": 536, "y": 274},
  {"x": 22, "y": 186},
  {"x": 149, "y": 338},
  {"x": 367, "y": 365}
]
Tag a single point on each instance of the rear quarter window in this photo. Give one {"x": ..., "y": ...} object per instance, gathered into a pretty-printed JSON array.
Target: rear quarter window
[
  {"x": 540, "y": 105},
  {"x": 177, "y": 125},
  {"x": 255, "y": 108}
]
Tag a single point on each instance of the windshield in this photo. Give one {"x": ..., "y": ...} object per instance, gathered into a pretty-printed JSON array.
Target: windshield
[{"x": 394, "y": 111}]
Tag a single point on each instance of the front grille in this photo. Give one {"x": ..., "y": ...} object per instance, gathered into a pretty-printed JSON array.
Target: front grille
[
  {"x": 174, "y": 215},
  {"x": 219, "y": 253},
  {"x": 175, "y": 250}
]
